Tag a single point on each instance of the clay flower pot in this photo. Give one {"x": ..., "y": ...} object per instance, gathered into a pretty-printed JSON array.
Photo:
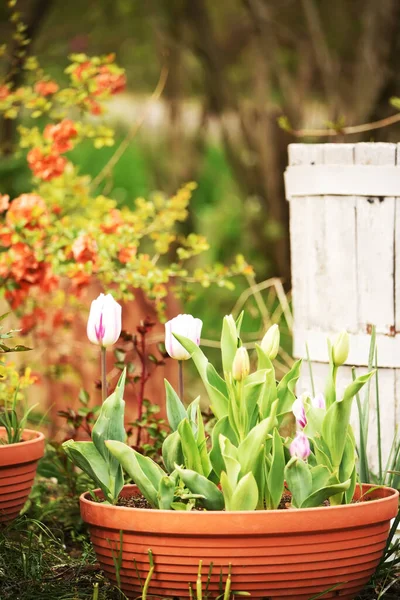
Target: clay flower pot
[
  {"x": 275, "y": 554},
  {"x": 18, "y": 464}
]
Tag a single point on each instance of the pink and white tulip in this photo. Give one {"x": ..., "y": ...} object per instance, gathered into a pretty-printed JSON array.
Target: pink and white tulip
[
  {"x": 104, "y": 323},
  {"x": 299, "y": 412},
  {"x": 186, "y": 326},
  {"x": 300, "y": 447},
  {"x": 319, "y": 401}
]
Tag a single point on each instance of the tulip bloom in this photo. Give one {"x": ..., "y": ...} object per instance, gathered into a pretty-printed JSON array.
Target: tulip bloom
[
  {"x": 270, "y": 342},
  {"x": 186, "y": 326},
  {"x": 340, "y": 350},
  {"x": 300, "y": 447},
  {"x": 299, "y": 412},
  {"x": 319, "y": 401},
  {"x": 241, "y": 364},
  {"x": 104, "y": 323}
]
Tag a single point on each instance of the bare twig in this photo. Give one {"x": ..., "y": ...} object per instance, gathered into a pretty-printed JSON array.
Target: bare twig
[
  {"x": 107, "y": 169},
  {"x": 352, "y": 129}
]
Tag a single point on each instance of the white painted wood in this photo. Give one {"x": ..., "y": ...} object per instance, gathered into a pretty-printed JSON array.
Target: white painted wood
[
  {"x": 397, "y": 252},
  {"x": 337, "y": 180},
  {"x": 305, "y": 154},
  {"x": 346, "y": 273},
  {"x": 304, "y": 223},
  {"x": 375, "y": 246},
  {"x": 339, "y": 311}
]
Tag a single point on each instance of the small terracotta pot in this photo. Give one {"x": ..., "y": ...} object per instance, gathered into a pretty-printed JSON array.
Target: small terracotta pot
[
  {"x": 18, "y": 464},
  {"x": 275, "y": 554}
]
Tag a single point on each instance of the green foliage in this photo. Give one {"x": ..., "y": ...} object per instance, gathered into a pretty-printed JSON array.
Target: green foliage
[
  {"x": 93, "y": 457},
  {"x": 246, "y": 455},
  {"x": 12, "y": 417}
]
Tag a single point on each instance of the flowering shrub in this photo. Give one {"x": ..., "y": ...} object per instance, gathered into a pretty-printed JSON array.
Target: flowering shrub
[{"x": 61, "y": 234}]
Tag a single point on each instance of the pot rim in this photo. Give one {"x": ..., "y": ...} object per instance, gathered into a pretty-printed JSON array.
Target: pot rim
[
  {"x": 257, "y": 522},
  {"x": 85, "y": 499},
  {"x": 38, "y": 435},
  {"x": 27, "y": 451}
]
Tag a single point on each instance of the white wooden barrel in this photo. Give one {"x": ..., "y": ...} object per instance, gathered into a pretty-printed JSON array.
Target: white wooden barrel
[{"x": 345, "y": 246}]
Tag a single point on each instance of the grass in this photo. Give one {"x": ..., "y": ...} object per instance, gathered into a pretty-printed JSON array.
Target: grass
[{"x": 36, "y": 565}]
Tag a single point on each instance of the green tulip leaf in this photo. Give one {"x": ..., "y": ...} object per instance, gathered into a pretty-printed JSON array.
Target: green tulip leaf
[
  {"x": 176, "y": 411},
  {"x": 86, "y": 456},
  {"x": 320, "y": 475},
  {"x": 198, "y": 484},
  {"x": 276, "y": 471},
  {"x": 337, "y": 418},
  {"x": 221, "y": 427},
  {"x": 219, "y": 402},
  {"x": 191, "y": 453},
  {"x": 270, "y": 393},
  {"x": 318, "y": 497},
  {"x": 229, "y": 342},
  {"x": 250, "y": 447},
  {"x": 144, "y": 471},
  {"x": 245, "y": 496},
  {"x": 299, "y": 480},
  {"x": 172, "y": 451},
  {"x": 166, "y": 492},
  {"x": 285, "y": 389}
]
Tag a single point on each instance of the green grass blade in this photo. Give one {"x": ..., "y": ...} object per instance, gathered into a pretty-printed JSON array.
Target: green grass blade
[
  {"x": 364, "y": 472},
  {"x": 378, "y": 419},
  {"x": 310, "y": 370}
]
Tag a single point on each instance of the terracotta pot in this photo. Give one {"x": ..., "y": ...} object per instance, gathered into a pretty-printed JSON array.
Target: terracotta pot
[
  {"x": 276, "y": 554},
  {"x": 18, "y": 464}
]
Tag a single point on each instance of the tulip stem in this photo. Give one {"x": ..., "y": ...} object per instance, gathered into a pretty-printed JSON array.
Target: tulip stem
[
  {"x": 103, "y": 374},
  {"x": 180, "y": 368}
]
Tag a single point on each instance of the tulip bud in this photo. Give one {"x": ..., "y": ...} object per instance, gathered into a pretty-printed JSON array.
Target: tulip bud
[
  {"x": 299, "y": 412},
  {"x": 319, "y": 401},
  {"x": 300, "y": 447},
  {"x": 270, "y": 342},
  {"x": 104, "y": 323},
  {"x": 340, "y": 349},
  {"x": 241, "y": 364},
  {"x": 186, "y": 326}
]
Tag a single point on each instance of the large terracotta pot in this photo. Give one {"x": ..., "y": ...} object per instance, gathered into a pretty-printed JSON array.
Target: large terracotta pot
[
  {"x": 18, "y": 464},
  {"x": 276, "y": 554}
]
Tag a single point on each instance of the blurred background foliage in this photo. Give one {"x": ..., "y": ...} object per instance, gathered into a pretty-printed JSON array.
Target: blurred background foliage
[{"x": 232, "y": 69}]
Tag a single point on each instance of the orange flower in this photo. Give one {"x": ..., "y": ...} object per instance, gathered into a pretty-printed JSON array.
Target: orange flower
[
  {"x": 4, "y": 202},
  {"x": 61, "y": 318},
  {"x": 114, "y": 83},
  {"x": 5, "y": 237},
  {"x": 113, "y": 223},
  {"x": 84, "y": 249},
  {"x": 27, "y": 323},
  {"x": 24, "y": 265},
  {"x": 56, "y": 209},
  {"x": 61, "y": 135},
  {"x": 28, "y": 209},
  {"x": 16, "y": 297},
  {"x": 82, "y": 69},
  {"x": 4, "y": 92},
  {"x": 94, "y": 107},
  {"x": 46, "y": 166},
  {"x": 48, "y": 280},
  {"x": 127, "y": 254},
  {"x": 79, "y": 278},
  {"x": 46, "y": 88},
  {"x": 4, "y": 266}
]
